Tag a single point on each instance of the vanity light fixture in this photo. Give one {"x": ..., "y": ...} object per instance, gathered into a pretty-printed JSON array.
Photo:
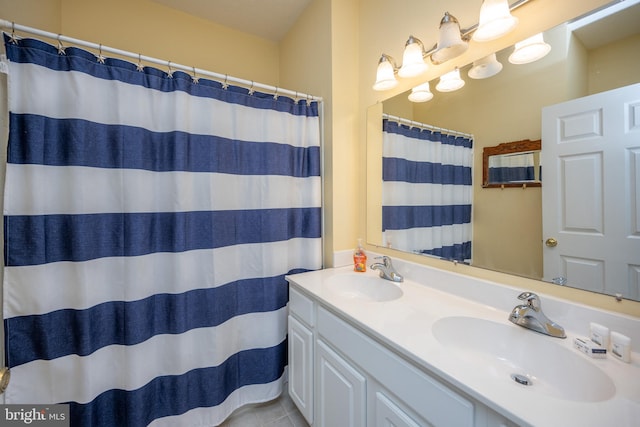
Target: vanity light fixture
[
  {"x": 530, "y": 50},
  {"x": 450, "y": 42},
  {"x": 385, "y": 75},
  {"x": 450, "y": 81},
  {"x": 495, "y": 20},
  {"x": 485, "y": 67},
  {"x": 421, "y": 93},
  {"x": 413, "y": 59}
]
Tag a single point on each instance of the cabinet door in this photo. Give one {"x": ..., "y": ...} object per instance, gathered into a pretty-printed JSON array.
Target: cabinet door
[
  {"x": 301, "y": 368},
  {"x": 341, "y": 391},
  {"x": 388, "y": 414}
]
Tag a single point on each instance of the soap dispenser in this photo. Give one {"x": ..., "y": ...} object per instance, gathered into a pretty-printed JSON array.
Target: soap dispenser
[{"x": 359, "y": 258}]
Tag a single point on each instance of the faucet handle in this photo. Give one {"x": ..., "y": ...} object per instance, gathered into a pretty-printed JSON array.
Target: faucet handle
[
  {"x": 385, "y": 260},
  {"x": 532, "y": 300}
]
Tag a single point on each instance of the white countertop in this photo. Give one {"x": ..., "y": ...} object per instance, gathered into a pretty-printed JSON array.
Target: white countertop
[{"x": 405, "y": 325}]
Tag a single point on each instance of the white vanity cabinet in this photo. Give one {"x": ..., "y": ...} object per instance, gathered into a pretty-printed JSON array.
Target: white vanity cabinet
[
  {"x": 438, "y": 350},
  {"x": 394, "y": 385},
  {"x": 341, "y": 376}
]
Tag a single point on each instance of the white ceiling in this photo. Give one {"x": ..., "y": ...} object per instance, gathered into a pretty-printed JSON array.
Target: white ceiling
[{"x": 270, "y": 19}]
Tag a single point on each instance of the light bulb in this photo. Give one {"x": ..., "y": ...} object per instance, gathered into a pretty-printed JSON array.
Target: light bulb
[
  {"x": 450, "y": 81},
  {"x": 421, "y": 93},
  {"x": 530, "y": 50},
  {"x": 495, "y": 20},
  {"x": 412, "y": 60},
  {"x": 385, "y": 74}
]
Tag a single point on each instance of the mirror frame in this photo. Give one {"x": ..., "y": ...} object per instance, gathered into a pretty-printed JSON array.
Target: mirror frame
[{"x": 523, "y": 146}]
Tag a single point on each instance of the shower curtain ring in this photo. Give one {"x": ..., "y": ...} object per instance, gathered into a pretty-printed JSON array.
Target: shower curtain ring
[
  {"x": 170, "y": 71},
  {"x": 251, "y": 88},
  {"x": 225, "y": 85},
  {"x": 275, "y": 95},
  {"x": 195, "y": 78},
  {"x": 13, "y": 38},
  {"x": 139, "y": 66},
  {"x": 100, "y": 57},
  {"x": 60, "y": 46}
]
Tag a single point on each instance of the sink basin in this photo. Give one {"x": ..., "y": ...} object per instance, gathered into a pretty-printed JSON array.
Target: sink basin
[
  {"x": 364, "y": 287},
  {"x": 524, "y": 358}
]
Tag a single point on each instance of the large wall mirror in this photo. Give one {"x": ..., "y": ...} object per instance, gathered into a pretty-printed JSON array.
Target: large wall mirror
[{"x": 588, "y": 56}]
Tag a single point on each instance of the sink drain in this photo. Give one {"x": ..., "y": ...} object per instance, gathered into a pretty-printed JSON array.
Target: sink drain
[{"x": 521, "y": 379}]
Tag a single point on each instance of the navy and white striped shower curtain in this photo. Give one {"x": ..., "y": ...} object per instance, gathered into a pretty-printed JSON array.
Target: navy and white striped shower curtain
[
  {"x": 149, "y": 221},
  {"x": 426, "y": 191}
]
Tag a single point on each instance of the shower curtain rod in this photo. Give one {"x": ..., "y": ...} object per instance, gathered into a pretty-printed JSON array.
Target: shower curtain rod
[
  {"x": 412, "y": 123},
  {"x": 12, "y": 26}
]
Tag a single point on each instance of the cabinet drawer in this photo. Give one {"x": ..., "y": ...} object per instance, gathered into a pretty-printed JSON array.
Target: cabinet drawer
[
  {"x": 301, "y": 306},
  {"x": 428, "y": 397}
]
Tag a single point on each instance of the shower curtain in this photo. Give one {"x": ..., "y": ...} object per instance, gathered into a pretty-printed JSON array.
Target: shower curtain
[
  {"x": 426, "y": 191},
  {"x": 150, "y": 219}
]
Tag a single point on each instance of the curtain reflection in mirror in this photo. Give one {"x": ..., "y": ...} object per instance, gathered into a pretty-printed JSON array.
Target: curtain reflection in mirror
[
  {"x": 426, "y": 190},
  {"x": 519, "y": 167}
]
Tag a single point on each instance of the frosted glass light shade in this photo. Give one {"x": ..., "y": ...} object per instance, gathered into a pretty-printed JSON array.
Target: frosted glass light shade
[
  {"x": 450, "y": 43},
  {"x": 495, "y": 20},
  {"x": 412, "y": 60},
  {"x": 485, "y": 67},
  {"x": 450, "y": 81},
  {"x": 530, "y": 50},
  {"x": 421, "y": 93},
  {"x": 385, "y": 74}
]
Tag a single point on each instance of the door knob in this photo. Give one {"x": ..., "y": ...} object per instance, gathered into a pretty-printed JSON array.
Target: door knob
[{"x": 551, "y": 242}]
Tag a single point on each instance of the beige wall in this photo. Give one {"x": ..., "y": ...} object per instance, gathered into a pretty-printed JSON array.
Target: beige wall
[
  {"x": 615, "y": 65},
  {"x": 149, "y": 28},
  {"x": 42, "y": 14}
]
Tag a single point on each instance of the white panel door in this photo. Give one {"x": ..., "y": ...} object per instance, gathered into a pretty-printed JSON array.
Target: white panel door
[
  {"x": 341, "y": 393},
  {"x": 591, "y": 192}
]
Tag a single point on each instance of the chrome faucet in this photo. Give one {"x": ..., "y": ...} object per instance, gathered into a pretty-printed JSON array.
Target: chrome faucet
[
  {"x": 386, "y": 269},
  {"x": 530, "y": 316}
]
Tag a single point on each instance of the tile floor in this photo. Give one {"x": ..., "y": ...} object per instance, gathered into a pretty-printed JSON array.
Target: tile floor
[{"x": 281, "y": 412}]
